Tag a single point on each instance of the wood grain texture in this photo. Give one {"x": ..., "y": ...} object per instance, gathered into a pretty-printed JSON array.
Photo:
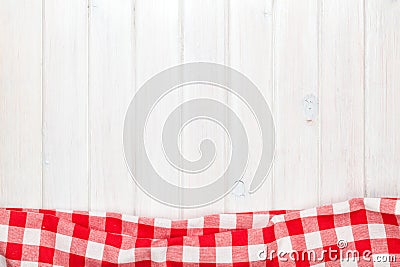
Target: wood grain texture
[
  {"x": 21, "y": 103},
  {"x": 111, "y": 86},
  {"x": 69, "y": 69},
  {"x": 65, "y": 104},
  {"x": 250, "y": 52},
  {"x": 295, "y": 65},
  {"x": 205, "y": 39},
  {"x": 382, "y": 96},
  {"x": 342, "y": 100},
  {"x": 156, "y": 52}
]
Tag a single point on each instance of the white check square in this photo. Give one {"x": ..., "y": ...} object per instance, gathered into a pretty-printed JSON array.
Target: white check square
[
  {"x": 31, "y": 237},
  {"x": 351, "y": 262},
  {"x": 223, "y": 254},
  {"x": 94, "y": 250},
  {"x": 257, "y": 252},
  {"x": 313, "y": 240},
  {"x": 196, "y": 223},
  {"x": 159, "y": 254},
  {"x": 129, "y": 218},
  {"x": 98, "y": 213},
  {"x": 376, "y": 231},
  {"x": 341, "y": 208},
  {"x": 126, "y": 256},
  {"x": 308, "y": 213},
  {"x": 285, "y": 244},
  {"x": 227, "y": 221},
  {"x": 278, "y": 219},
  {"x": 344, "y": 233},
  {"x": 191, "y": 254},
  {"x": 3, "y": 233},
  {"x": 28, "y": 264},
  {"x": 373, "y": 204},
  {"x": 397, "y": 211},
  {"x": 260, "y": 220},
  {"x": 163, "y": 223},
  {"x": 63, "y": 243}
]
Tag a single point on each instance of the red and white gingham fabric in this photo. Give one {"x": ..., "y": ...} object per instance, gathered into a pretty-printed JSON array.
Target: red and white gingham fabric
[{"x": 360, "y": 232}]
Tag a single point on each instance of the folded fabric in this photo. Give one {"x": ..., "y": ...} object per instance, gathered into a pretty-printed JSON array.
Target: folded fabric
[{"x": 359, "y": 232}]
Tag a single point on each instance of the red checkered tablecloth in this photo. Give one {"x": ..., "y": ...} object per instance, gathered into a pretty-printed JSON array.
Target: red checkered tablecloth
[{"x": 359, "y": 232}]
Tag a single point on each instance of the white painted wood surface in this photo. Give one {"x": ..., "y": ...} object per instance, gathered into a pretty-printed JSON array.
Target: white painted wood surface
[
  {"x": 341, "y": 100},
  {"x": 295, "y": 67},
  {"x": 111, "y": 86},
  {"x": 21, "y": 103},
  {"x": 205, "y": 39},
  {"x": 382, "y": 96},
  {"x": 65, "y": 105},
  {"x": 68, "y": 70},
  {"x": 253, "y": 57},
  {"x": 156, "y": 52}
]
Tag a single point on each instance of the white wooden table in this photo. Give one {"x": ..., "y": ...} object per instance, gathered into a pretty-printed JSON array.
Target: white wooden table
[{"x": 68, "y": 70}]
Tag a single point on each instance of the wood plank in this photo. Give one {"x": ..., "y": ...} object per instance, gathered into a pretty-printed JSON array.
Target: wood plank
[
  {"x": 111, "y": 86},
  {"x": 158, "y": 47},
  {"x": 342, "y": 100},
  {"x": 65, "y": 103},
  {"x": 382, "y": 95},
  {"x": 250, "y": 52},
  {"x": 21, "y": 103},
  {"x": 295, "y": 76},
  {"x": 205, "y": 39}
]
